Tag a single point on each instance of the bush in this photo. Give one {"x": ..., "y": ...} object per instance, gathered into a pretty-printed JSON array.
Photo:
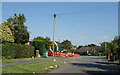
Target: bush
[
  {"x": 11, "y": 50},
  {"x": 81, "y": 52},
  {"x": 72, "y": 51},
  {"x": 100, "y": 54},
  {"x": 94, "y": 54},
  {"x": 39, "y": 45}
]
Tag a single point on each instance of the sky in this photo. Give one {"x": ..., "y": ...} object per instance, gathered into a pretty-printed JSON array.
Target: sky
[
  {"x": 60, "y": 0},
  {"x": 80, "y": 22}
]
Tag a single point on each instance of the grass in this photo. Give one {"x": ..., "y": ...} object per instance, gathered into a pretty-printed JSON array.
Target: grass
[
  {"x": 103, "y": 57},
  {"x": 63, "y": 57},
  {"x": 4, "y": 61},
  {"x": 37, "y": 67},
  {"x": 75, "y": 59},
  {"x": 117, "y": 60},
  {"x": 60, "y": 57}
]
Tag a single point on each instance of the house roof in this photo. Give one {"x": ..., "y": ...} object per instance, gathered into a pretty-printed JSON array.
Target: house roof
[
  {"x": 89, "y": 48},
  {"x": 84, "y": 49}
]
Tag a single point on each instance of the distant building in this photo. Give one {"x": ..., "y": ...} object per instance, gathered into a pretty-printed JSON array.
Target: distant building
[
  {"x": 29, "y": 43},
  {"x": 93, "y": 49}
]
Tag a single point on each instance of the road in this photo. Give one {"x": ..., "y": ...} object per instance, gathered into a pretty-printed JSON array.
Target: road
[{"x": 88, "y": 64}]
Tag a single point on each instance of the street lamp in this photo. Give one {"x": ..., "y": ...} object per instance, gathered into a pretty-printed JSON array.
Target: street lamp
[{"x": 54, "y": 35}]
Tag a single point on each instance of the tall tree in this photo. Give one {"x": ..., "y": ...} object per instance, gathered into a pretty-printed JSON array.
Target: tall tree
[
  {"x": 66, "y": 44},
  {"x": 38, "y": 38},
  {"x": 21, "y": 19},
  {"x": 19, "y": 30},
  {"x": 47, "y": 40},
  {"x": 10, "y": 20},
  {"x": 21, "y": 34},
  {"x": 15, "y": 19}
]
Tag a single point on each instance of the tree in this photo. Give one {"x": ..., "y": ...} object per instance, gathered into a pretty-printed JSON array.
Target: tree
[
  {"x": 102, "y": 50},
  {"x": 66, "y": 44},
  {"x": 15, "y": 19},
  {"x": 11, "y": 26},
  {"x": 79, "y": 47},
  {"x": 38, "y": 38},
  {"x": 19, "y": 30},
  {"x": 6, "y": 34},
  {"x": 46, "y": 39},
  {"x": 113, "y": 47},
  {"x": 118, "y": 48},
  {"x": 21, "y": 34},
  {"x": 91, "y": 45},
  {"x": 21, "y": 19},
  {"x": 10, "y": 20}
]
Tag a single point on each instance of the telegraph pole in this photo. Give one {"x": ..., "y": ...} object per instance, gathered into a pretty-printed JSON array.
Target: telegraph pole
[
  {"x": 105, "y": 51},
  {"x": 54, "y": 35}
]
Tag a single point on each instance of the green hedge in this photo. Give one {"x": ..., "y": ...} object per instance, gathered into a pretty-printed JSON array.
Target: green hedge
[
  {"x": 11, "y": 50},
  {"x": 39, "y": 45},
  {"x": 81, "y": 52},
  {"x": 93, "y": 54}
]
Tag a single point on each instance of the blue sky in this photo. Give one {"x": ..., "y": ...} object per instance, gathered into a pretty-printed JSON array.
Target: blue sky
[{"x": 81, "y": 22}]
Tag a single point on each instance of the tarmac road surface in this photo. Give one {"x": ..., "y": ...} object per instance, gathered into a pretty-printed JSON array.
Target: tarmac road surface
[{"x": 89, "y": 64}]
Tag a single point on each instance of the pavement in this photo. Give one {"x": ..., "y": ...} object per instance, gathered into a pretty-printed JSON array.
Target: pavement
[{"x": 89, "y": 64}]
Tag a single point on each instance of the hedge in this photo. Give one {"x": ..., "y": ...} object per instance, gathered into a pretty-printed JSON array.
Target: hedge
[
  {"x": 11, "y": 50},
  {"x": 39, "y": 45},
  {"x": 81, "y": 52}
]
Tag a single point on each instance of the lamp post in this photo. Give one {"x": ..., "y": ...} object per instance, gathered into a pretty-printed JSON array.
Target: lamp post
[
  {"x": 106, "y": 51},
  {"x": 54, "y": 35}
]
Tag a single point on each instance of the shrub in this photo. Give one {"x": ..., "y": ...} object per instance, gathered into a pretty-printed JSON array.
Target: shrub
[
  {"x": 11, "y": 50},
  {"x": 39, "y": 45},
  {"x": 100, "y": 54},
  {"x": 81, "y": 52},
  {"x": 72, "y": 51},
  {"x": 93, "y": 54}
]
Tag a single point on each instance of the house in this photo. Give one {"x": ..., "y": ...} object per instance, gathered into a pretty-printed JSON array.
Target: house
[{"x": 93, "y": 49}]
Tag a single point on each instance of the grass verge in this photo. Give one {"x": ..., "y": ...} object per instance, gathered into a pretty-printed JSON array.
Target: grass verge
[
  {"x": 60, "y": 57},
  {"x": 5, "y": 61},
  {"x": 37, "y": 67},
  {"x": 103, "y": 57},
  {"x": 117, "y": 60},
  {"x": 63, "y": 57}
]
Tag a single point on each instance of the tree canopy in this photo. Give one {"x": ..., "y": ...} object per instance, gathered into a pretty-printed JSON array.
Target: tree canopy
[
  {"x": 18, "y": 29},
  {"x": 66, "y": 44},
  {"x": 6, "y": 34},
  {"x": 46, "y": 39}
]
